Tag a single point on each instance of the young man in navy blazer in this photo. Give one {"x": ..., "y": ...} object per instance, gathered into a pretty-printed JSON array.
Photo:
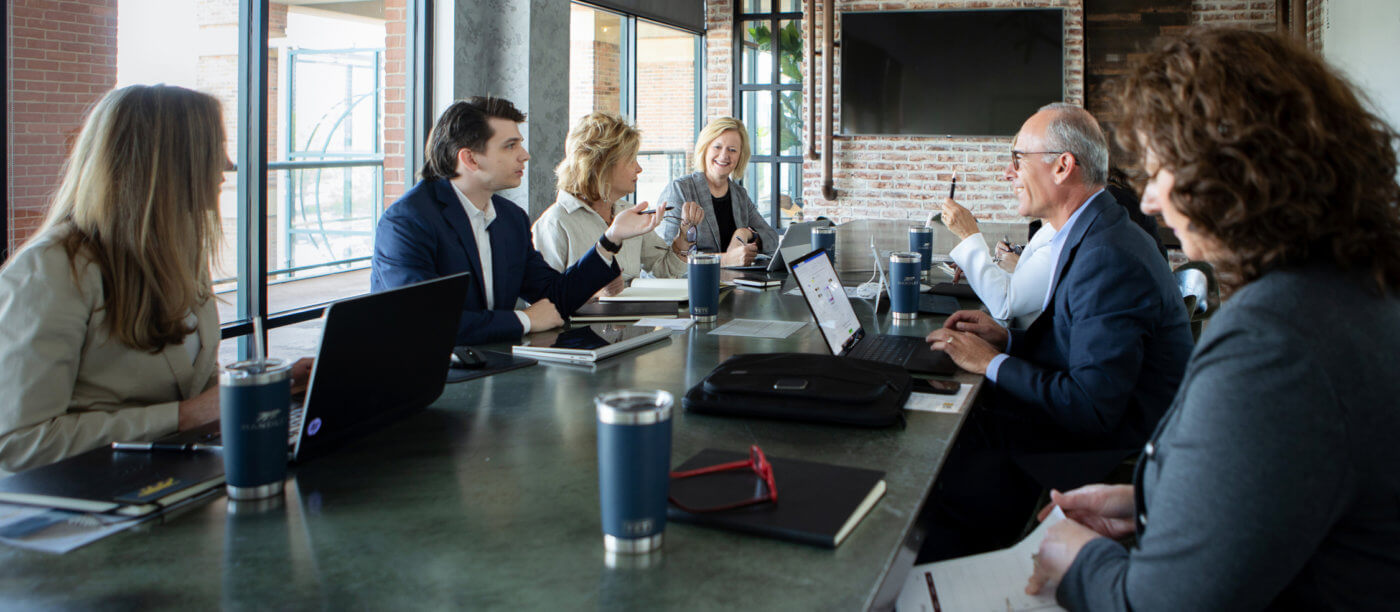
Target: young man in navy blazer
[
  {"x": 1085, "y": 384},
  {"x": 452, "y": 221}
]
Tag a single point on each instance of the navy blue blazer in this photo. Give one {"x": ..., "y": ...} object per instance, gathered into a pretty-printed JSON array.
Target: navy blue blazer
[
  {"x": 1099, "y": 367},
  {"x": 426, "y": 234}
]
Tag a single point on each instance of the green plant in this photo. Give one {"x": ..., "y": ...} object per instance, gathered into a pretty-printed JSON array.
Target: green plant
[{"x": 789, "y": 48}]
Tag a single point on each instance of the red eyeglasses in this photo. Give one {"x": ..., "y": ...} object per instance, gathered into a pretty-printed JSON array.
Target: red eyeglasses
[{"x": 757, "y": 462}]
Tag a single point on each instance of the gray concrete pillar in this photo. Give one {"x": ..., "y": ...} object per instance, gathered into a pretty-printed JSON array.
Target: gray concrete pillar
[{"x": 519, "y": 50}]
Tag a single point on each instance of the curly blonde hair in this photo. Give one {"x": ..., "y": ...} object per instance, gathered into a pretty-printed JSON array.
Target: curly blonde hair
[
  {"x": 712, "y": 130},
  {"x": 597, "y": 144},
  {"x": 1275, "y": 155}
]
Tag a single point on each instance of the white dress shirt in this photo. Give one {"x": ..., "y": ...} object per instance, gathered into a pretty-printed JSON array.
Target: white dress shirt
[
  {"x": 480, "y": 218},
  {"x": 1056, "y": 244},
  {"x": 1013, "y": 298}
]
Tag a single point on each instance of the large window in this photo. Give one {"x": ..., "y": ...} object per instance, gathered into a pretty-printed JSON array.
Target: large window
[
  {"x": 331, "y": 81},
  {"x": 643, "y": 70},
  {"x": 768, "y": 82}
]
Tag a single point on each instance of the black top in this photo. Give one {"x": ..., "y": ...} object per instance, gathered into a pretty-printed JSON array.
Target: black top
[{"x": 724, "y": 216}]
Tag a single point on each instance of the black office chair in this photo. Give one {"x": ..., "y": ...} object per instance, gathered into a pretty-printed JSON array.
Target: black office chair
[{"x": 1196, "y": 280}]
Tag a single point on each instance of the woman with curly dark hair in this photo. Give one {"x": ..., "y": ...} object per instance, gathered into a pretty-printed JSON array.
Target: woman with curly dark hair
[{"x": 1272, "y": 481}]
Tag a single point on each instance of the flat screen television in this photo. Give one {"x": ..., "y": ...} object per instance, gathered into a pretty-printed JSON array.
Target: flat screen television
[{"x": 967, "y": 73}]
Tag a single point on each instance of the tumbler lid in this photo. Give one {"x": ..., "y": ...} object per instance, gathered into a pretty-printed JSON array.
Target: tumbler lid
[
  {"x": 704, "y": 258},
  {"x": 255, "y": 372},
  {"x": 921, "y": 229},
  {"x": 905, "y": 257},
  {"x": 634, "y": 407},
  {"x": 824, "y": 230}
]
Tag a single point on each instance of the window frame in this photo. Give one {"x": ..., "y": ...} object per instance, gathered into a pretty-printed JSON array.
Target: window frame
[
  {"x": 774, "y": 16},
  {"x": 252, "y": 162}
]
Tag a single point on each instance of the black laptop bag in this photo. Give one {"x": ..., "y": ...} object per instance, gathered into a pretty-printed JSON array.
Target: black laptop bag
[{"x": 803, "y": 387}]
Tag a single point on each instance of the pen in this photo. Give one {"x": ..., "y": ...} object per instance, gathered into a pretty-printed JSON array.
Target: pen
[
  {"x": 652, "y": 211},
  {"x": 952, "y": 189},
  {"x": 161, "y": 446}
]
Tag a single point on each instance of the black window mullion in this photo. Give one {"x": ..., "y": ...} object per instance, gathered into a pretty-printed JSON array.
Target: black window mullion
[{"x": 252, "y": 165}]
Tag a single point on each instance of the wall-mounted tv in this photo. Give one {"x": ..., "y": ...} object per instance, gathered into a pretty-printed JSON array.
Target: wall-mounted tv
[{"x": 968, "y": 73}]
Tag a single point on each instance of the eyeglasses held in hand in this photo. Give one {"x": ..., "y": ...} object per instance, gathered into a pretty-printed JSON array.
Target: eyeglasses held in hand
[{"x": 756, "y": 462}]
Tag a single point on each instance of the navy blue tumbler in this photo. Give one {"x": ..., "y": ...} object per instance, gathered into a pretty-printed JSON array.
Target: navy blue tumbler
[
  {"x": 704, "y": 286},
  {"x": 254, "y": 401},
  {"x": 634, "y": 468},
  {"x": 904, "y": 285},
  {"x": 921, "y": 242},
  {"x": 825, "y": 238}
]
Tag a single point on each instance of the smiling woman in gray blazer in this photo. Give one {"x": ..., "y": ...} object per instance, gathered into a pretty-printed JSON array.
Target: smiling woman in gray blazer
[
  {"x": 735, "y": 226},
  {"x": 1271, "y": 482},
  {"x": 108, "y": 329}
]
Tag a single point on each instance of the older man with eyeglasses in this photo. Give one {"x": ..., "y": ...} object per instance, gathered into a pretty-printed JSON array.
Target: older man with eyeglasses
[{"x": 1084, "y": 385}]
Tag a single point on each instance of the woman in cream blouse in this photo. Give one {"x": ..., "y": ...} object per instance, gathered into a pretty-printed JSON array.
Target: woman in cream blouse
[
  {"x": 599, "y": 169},
  {"x": 108, "y": 329}
]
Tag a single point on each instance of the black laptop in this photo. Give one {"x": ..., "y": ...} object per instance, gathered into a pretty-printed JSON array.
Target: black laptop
[
  {"x": 382, "y": 355},
  {"x": 845, "y": 336}
]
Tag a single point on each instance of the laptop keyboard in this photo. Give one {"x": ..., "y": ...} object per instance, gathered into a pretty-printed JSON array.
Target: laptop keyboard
[{"x": 886, "y": 349}]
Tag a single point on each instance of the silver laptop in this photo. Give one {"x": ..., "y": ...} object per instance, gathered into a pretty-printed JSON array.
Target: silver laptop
[{"x": 844, "y": 334}]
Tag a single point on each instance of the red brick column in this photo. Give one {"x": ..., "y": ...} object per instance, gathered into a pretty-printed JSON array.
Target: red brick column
[
  {"x": 395, "y": 133},
  {"x": 63, "y": 59}
]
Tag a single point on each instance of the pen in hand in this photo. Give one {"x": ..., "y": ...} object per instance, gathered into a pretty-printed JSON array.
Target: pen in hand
[
  {"x": 653, "y": 211},
  {"x": 953, "y": 189},
  {"x": 161, "y": 446}
]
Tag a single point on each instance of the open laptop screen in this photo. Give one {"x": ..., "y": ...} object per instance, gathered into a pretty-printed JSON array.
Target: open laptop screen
[{"x": 827, "y": 299}]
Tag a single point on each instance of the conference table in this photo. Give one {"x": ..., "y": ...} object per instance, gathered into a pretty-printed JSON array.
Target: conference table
[{"x": 489, "y": 499}]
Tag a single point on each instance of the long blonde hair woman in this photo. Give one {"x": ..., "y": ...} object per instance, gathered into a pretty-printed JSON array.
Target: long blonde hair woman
[
  {"x": 599, "y": 169},
  {"x": 108, "y": 329}
]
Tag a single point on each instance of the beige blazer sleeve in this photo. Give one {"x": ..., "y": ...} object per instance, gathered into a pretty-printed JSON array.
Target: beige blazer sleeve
[
  {"x": 658, "y": 258},
  {"x": 68, "y": 387}
]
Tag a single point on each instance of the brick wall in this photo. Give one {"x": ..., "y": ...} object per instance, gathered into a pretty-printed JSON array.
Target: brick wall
[
  {"x": 61, "y": 62},
  {"x": 719, "y": 59},
  {"x": 883, "y": 177},
  {"x": 1317, "y": 17},
  {"x": 904, "y": 177},
  {"x": 1257, "y": 15},
  {"x": 395, "y": 132}
]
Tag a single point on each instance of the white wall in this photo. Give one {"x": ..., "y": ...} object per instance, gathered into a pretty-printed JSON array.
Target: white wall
[{"x": 1362, "y": 37}]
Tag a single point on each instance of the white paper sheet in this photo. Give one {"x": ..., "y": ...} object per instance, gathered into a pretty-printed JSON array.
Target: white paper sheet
[
  {"x": 676, "y": 324},
  {"x": 755, "y": 328},
  {"x": 56, "y": 531},
  {"x": 991, "y": 582},
  {"x": 933, "y": 402}
]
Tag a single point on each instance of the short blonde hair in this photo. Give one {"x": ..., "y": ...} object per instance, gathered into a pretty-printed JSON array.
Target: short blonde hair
[
  {"x": 141, "y": 194},
  {"x": 713, "y": 130},
  {"x": 597, "y": 144}
]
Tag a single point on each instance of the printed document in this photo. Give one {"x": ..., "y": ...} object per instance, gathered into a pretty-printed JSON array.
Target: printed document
[
  {"x": 989, "y": 581},
  {"x": 755, "y": 328}
]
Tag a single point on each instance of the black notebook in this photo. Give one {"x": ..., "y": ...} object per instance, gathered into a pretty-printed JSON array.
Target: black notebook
[
  {"x": 960, "y": 290},
  {"x": 818, "y": 503},
  {"x": 132, "y": 483},
  {"x": 624, "y": 311}
]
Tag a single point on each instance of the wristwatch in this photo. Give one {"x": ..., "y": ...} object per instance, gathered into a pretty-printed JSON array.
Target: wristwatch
[{"x": 608, "y": 245}]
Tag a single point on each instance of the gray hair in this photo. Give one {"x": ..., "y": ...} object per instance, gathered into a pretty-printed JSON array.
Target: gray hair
[{"x": 1073, "y": 130}]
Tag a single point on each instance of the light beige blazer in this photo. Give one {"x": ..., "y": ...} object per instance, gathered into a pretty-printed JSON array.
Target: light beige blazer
[
  {"x": 566, "y": 230},
  {"x": 65, "y": 386}
]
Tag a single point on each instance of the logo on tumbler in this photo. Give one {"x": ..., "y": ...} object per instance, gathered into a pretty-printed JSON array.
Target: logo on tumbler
[
  {"x": 313, "y": 427},
  {"x": 267, "y": 419},
  {"x": 638, "y": 527}
]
